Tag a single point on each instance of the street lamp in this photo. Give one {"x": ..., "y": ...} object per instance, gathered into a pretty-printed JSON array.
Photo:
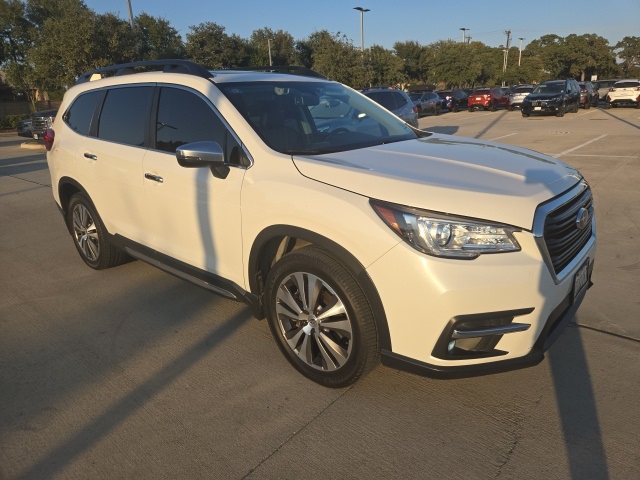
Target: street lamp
[
  {"x": 520, "y": 55},
  {"x": 362, "y": 10},
  {"x": 464, "y": 34}
]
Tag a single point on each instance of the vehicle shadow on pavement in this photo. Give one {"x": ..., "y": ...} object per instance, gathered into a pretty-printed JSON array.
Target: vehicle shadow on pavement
[
  {"x": 577, "y": 409},
  {"x": 20, "y": 165},
  {"x": 634, "y": 125},
  {"x": 74, "y": 447},
  {"x": 491, "y": 125}
]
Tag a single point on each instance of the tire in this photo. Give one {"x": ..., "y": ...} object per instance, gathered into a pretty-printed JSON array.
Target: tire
[
  {"x": 492, "y": 107},
  {"x": 607, "y": 106},
  {"x": 90, "y": 236},
  {"x": 587, "y": 105},
  {"x": 470, "y": 109},
  {"x": 525, "y": 115},
  {"x": 436, "y": 111},
  {"x": 510, "y": 108},
  {"x": 455, "y": 108},
  {"x": 561, "y": 111},
  {"x": 329, "y": 335}
]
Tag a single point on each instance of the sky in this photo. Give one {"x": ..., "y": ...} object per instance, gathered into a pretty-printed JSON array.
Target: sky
[{"x": 388, "y": 22}]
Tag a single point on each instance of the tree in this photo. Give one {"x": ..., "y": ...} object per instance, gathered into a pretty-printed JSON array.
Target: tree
[
  {"x": 65, "y": 47},
  {"x": 628, "y": 49},
  {"x": 577, "y": 56},
  {"x": 210, "y": 46},
  {"x": 15, "y": 31},
  {"x": 335, "y": 57},
  {"x": 157, "y": 39},
  {"x": 415, "y": 60},
  {"x": 282, "y": 47},
  {"x": 386, "y": 68}
]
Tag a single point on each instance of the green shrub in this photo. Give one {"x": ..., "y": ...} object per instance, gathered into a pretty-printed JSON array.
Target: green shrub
[{"x": 10, "y": 122}]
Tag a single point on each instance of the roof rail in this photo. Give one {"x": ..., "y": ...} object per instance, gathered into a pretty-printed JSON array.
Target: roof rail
[
  {"x": 290, "y": 69},
  {"x": 168, "y": 66}
]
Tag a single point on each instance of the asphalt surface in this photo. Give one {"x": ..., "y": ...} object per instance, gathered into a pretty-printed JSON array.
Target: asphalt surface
[{"x": 132, "y": 373}]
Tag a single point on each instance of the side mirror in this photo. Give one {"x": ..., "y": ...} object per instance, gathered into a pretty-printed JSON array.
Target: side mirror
[{"x": 203, "y": 154}]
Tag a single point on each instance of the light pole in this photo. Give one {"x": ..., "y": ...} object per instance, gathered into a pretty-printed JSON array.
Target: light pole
[
  {"x": 130, "y": 14},
  {"x": 520, "y": 55},
  {"x": 464, "y": 33},
  {"x": 362, "y": 10}
]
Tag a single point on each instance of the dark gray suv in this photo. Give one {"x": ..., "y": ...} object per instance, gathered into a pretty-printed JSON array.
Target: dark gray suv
[{"x": 555, "y": 97}]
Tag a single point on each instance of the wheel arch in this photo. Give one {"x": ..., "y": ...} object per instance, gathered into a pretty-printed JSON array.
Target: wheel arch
[
  {"x": 277, "y": 240},
  {"x": 67, "y": 188}
]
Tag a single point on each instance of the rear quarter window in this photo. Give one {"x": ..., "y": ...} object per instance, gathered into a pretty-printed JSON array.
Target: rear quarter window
[{"x": 80, "y": 113}]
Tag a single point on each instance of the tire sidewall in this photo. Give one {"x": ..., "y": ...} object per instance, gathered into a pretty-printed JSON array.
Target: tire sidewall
[
  {"x": 352, "y": 369},
  {"x": 81, "y": 199}
]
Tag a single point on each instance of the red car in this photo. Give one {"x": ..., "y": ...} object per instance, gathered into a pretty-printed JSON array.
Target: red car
[{"x": 487, "y": 98}]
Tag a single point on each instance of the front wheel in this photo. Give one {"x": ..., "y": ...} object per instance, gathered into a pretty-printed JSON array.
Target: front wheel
[{"x": 320, "y": 318}]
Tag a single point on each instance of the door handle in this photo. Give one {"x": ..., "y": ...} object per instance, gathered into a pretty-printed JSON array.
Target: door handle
[
  {"x": 155, "y": 178},
  {"x": 90, "y": 156}
]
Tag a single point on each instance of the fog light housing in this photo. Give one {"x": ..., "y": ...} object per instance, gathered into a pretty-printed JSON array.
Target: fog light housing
[{"x": 476, "y": 336}]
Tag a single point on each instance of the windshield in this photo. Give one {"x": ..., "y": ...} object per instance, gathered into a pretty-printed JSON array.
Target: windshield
[
  {"x": 549, "y": 88},
  {"x": 314, "y": 118}
]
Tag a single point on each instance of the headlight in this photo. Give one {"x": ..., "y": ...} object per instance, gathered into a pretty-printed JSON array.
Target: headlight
[{"x": 447, "y": 236}]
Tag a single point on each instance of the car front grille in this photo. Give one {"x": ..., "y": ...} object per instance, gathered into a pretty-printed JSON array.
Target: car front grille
[
  {"x": 40, "y": 123},
  {"x": 564, "y": 235}
]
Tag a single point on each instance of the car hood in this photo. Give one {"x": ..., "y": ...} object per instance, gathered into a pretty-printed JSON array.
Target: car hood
[{"x": 448, "y": 174}]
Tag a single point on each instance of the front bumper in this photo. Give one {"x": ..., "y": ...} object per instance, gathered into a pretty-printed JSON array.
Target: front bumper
[
  {"x": 432, "y": 292},
  {"x": 540, "y": 107}
]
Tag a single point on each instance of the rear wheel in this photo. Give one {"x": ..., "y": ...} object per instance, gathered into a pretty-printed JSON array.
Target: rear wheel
[
  {"x": 492, "y": 107},
  {"x": 510, "y": 108},
  {"x": 90, "y": 236},
  {"x": 607, "y": 106},
  {"x": 321, "y": 318}
]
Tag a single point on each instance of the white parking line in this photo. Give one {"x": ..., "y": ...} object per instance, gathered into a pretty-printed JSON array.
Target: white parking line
[
  {"x": 503, "y": 136},
  {"x": 558, "y": 155}
]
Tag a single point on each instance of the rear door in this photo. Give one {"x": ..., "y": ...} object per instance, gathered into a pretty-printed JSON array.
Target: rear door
[{"x": 110, "y": 160}]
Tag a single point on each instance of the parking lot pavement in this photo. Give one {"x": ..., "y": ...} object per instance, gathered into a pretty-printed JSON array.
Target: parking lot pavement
[{"x": 132, "y": 373}]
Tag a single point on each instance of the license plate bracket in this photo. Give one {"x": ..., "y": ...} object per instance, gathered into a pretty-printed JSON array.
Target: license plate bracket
[{"x": 581, "y": 280}]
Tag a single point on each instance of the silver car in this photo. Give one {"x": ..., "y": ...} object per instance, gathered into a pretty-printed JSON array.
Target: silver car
[
  {"x": 396, "y": 101},
  {"x": 517, "y": 95}
]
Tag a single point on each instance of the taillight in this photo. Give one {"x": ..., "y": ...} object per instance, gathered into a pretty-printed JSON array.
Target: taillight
[{"x": 48, "y": 137}]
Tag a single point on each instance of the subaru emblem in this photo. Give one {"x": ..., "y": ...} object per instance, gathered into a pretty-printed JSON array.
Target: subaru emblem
[{"x": 582, "y": 220}]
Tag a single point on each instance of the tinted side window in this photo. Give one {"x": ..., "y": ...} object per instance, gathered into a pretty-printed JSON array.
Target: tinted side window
[
  {"x": 125, "y": 115},
  {"x": 183, "y": 118},
  {"x": 79, "y": 115},
  {"x": 383, "y": 98},
  {"x": 401, "y": 100}
]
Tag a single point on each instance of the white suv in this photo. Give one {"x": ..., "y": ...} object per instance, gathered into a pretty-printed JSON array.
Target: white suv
[
  {"x": 356, "y": 235},
  {"x": 623, "y": 92}
]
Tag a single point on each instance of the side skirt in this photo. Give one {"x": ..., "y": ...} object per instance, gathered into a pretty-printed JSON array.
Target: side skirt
[{"x": 202, "y": 278}]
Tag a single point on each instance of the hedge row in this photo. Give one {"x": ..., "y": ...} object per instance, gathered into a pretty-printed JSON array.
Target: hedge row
[{"x": 10, "y": 122}]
